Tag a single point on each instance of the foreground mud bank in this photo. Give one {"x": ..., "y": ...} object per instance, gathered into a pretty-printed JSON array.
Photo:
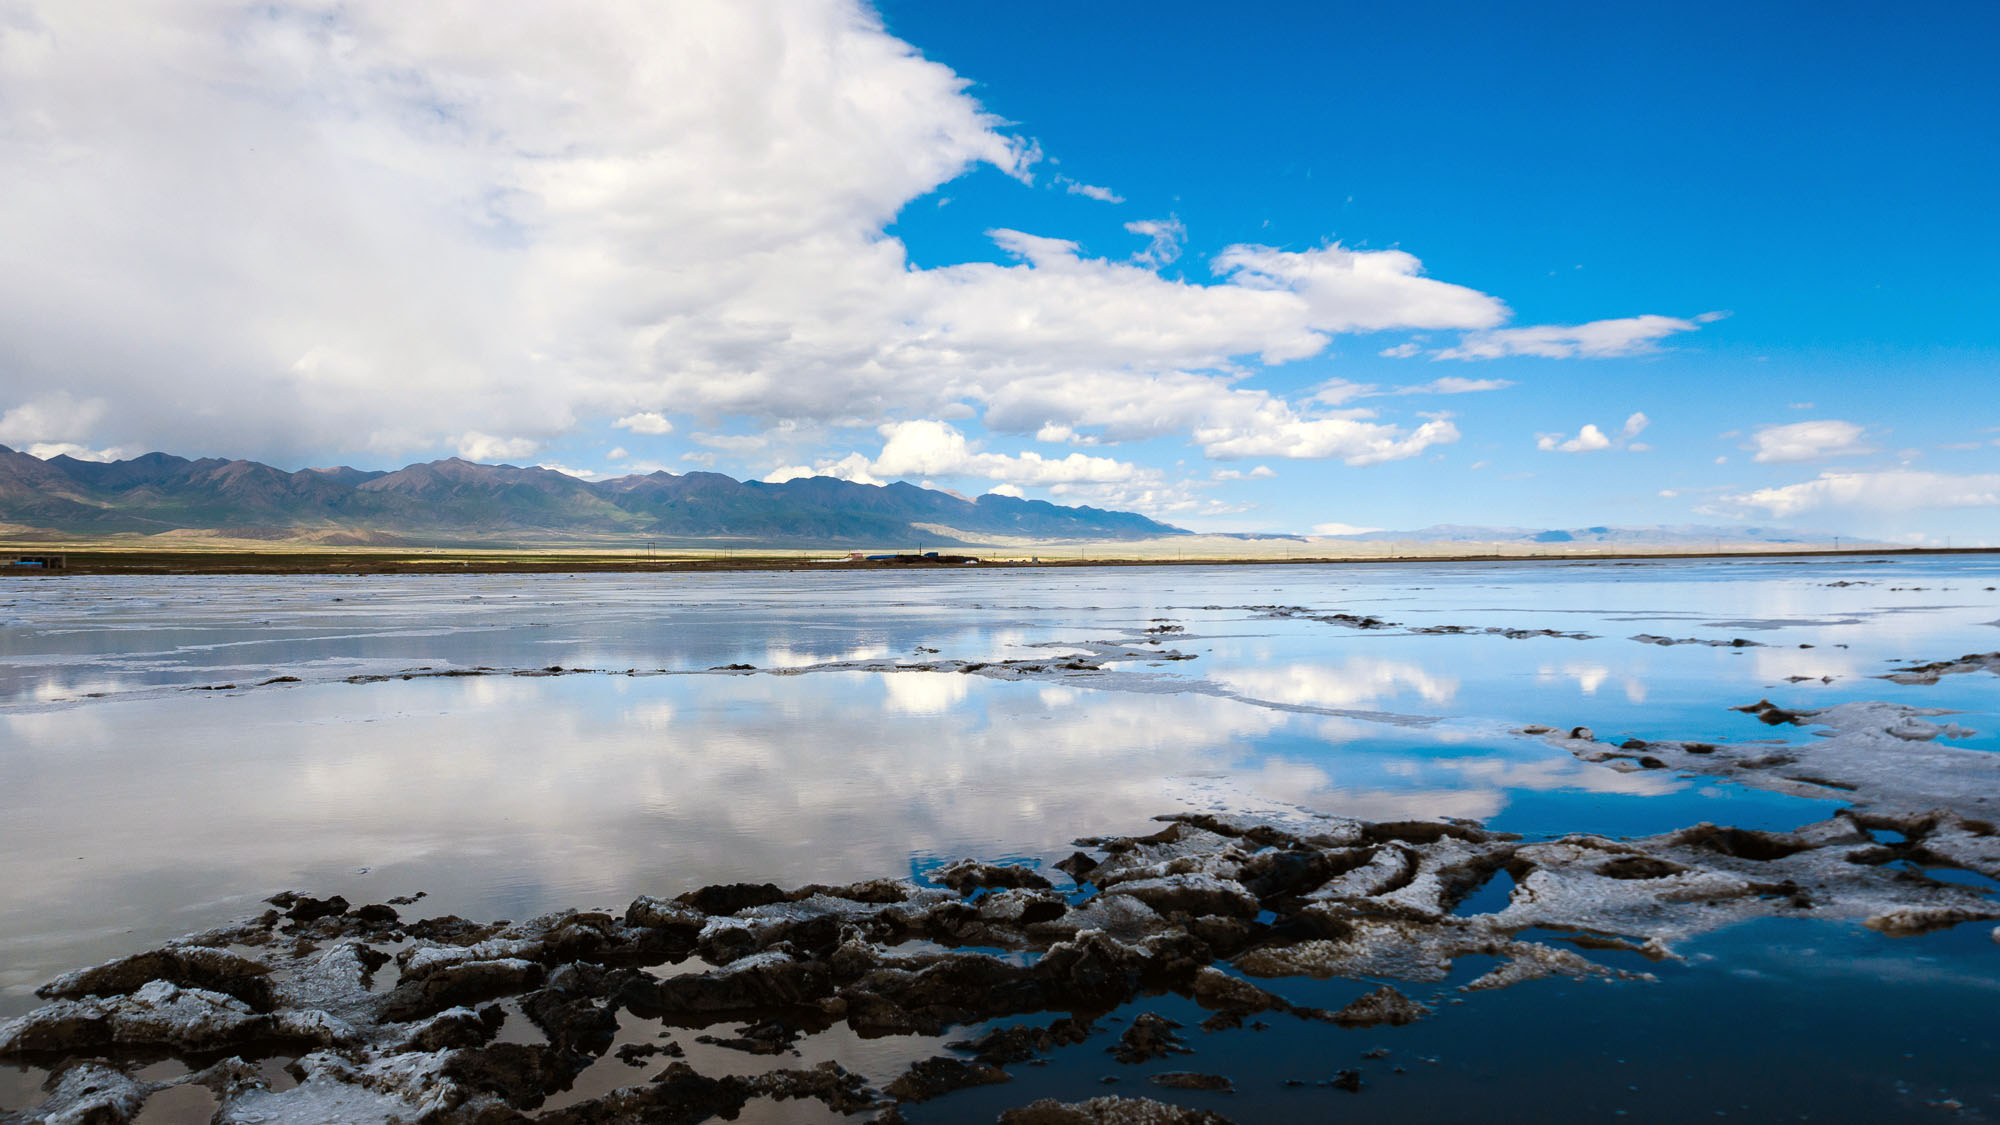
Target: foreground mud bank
[{"x": 319, "y": 1010}]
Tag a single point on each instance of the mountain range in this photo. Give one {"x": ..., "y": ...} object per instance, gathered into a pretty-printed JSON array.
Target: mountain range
[
  {"x": 1635, "y": 538},
  {"x": 456, "y": 501}
]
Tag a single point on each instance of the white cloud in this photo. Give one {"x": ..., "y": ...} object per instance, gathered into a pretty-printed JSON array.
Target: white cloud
[
  {"x": 650, "y": 422},
  {"x": 1261, "y": 472},
  {"x": 1354, "y": 442},
  {"x": 271, "y": 228},
  {"x": 48, "y": 449},
  {"x": 1590, "y": 439},
  {"x": 1599, "y": 339},
  {"x": 930, "y": 448},
  {"x": 1090, "y": 191},
  {"x": 475, "y": 446},
  {"x": 617, "y": 453},
  {"x": 1587, "y": 440},
  {"x": 732, "y": 443},
  {"x": 1334, "y": 392},
  {"x": 1892, "y": 491},
  {"x": 1338, "y": 529},
  {"x": 1455, "y": 385},
  {"x": 1807, "y": 441},
  {"x": 54, "y": 419},
  {"x": 1013, "y": 490},
  {"x": 1164, "y": 236},
  {"x": 1401, "y": 351},
  {"x": 1360, "y": 290}
]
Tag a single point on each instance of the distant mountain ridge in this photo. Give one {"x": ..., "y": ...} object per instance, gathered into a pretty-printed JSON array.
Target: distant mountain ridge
[
  {"x": 1678, "y": 535},
  {"x": 456, "y": 501}
]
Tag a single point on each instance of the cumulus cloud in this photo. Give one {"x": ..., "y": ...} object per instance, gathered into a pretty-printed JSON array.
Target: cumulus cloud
[
  {"x": 1359, "y": 290},
  {"x": 396, "y": 227},
  {"x": 922, "y": 449},
  {"x": 1353, "y": 442},
  {"x": 1590, "y": 439},
  {"x": 1261, "y": 472},
  {"x": 50, "y": 420},
  {"x": 925, "y": 447},
  {"x": 1599, "y": 339},
  {"x": 1334, "y": 530},
  {"x": 648, "y": 422},
  {"x": 48, "y": 449},
  {"x": 1164, "y": 236},
  {"x": 1807, "y": 441},
  {"x": 1890, "y": 491},
  {"x": 475, "y": 446}
]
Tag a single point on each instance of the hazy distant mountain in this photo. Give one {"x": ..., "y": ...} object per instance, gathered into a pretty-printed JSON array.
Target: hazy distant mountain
[
  {"x": 1682, "y": 535},
  {"x": 457, "y": 501}
]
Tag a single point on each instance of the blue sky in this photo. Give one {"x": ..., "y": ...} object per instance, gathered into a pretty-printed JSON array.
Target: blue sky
[{"x": 1270, "y": 267}]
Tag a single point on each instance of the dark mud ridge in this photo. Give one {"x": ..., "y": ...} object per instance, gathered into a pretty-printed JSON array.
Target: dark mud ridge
[{"x": 320, "y": 1011}]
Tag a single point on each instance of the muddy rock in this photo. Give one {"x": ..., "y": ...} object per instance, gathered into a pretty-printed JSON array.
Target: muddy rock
[
  {"x": 968, "y": 875},
  {"x": 1193, "y": 1080},
  {"x": 729, "y": 898},
  {"x": 1772, "y": 714},
  {"x": 1189, "y": 909},
  {"x": 1109, "y": 1111},
  {"x": 216, "y": 970},
  {"x": 1149, "y": 1037},
  {"x": 463, "y": 982},
  {"x": 1003, "y": 1045},
  {"x": 939, "y": 1075},
  {"x": 1191, "y": 893},
  {"x": 1931, "y": 673},
  {"x": 1385, "y": 1005},
  {"x": 89, "y": 1093}
]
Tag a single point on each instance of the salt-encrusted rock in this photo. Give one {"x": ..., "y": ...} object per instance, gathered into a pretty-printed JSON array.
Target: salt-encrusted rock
[
  {"x": 1193, "y": 1080},
  {"x": 1192, "y": 893},
  {"x": 190, "y": 966},
  {"x": 1385, "y": 1005},
  {"x": 968, "y": 875},
  {"x": 1930, "y": 673},
  {"x": 91, "y": 1092},
  {"x": 940, "y": 1075},
  {"x": 1109, "y": 1111},
  {"x": 1149, "y": 1036},
  {"x": 1182, "y": 910}
]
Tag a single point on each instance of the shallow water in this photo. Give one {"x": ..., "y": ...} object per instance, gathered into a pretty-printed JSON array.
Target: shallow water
[{"x": 157, "y": 783}]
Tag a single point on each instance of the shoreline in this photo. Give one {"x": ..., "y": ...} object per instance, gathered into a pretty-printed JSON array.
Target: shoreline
[{"x": 102, "y": 560}]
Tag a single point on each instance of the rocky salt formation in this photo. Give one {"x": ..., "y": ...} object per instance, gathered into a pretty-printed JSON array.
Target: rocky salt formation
[
  {"x": 1886, "y": 757},
  {"x": 1929, "y": 673},
  {"x": 387, "y": 1019}
]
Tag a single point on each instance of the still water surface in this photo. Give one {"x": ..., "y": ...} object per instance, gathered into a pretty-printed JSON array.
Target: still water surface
[{"x": 157, "y": 783}]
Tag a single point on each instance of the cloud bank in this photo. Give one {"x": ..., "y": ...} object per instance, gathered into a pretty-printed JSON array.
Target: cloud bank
[{"x": 279, "y": 227}]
